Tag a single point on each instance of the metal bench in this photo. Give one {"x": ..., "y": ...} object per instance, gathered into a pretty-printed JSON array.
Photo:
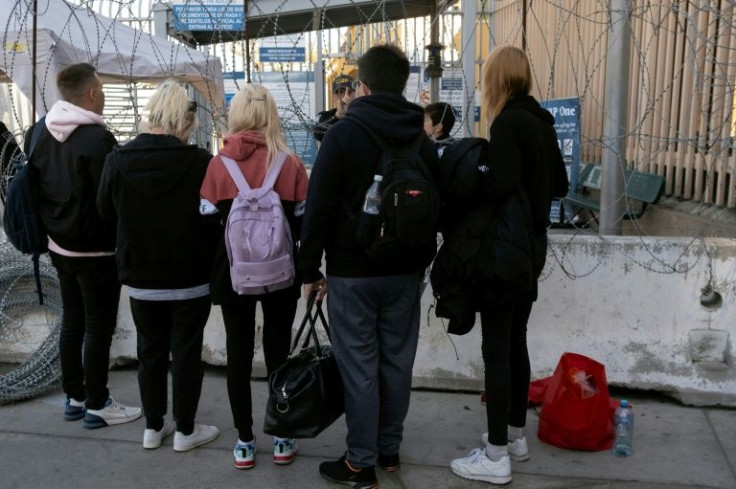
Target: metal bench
[{"x": 640, "y": 190}]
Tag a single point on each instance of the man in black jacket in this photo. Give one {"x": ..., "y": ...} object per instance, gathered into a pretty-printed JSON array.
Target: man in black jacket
[
  {"x": 69, "y": 157},
  {"x": 374, "y": 308}
]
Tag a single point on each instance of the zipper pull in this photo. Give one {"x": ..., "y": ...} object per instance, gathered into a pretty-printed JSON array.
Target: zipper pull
[{"x": 396, "y": 199}]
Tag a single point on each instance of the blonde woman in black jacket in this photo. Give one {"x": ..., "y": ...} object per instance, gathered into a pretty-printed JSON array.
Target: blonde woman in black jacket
[
  {"x": 164, "y": 256},
  {"x": 523, "y": 159}
]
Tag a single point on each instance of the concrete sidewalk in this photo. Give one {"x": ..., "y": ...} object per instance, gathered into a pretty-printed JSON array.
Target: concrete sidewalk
[{"x": 675, "y": 447}]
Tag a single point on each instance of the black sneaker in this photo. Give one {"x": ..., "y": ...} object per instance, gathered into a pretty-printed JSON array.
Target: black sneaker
[
  {"x": 342, "y": 472},
  {"x": 389, "y": 463}
]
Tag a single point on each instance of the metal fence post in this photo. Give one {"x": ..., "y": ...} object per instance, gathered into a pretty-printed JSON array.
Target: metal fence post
[{"x": 614, "y": 117}]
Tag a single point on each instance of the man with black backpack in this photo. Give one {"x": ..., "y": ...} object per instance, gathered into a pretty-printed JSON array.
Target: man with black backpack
[
  {"x": 68, "y": 157},
  {"x": 374, "y": 257}
]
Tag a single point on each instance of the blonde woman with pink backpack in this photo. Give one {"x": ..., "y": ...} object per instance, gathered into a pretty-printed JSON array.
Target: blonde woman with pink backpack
[{"x": 250, "y": 159}]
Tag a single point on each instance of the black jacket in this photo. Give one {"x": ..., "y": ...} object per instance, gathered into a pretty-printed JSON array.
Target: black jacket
[
  {"x": 69, "y": 175},
  {"x": 342, "y": 173},
  {"x": 495, "y": 230},
  {"x": 152, "y": 185}
]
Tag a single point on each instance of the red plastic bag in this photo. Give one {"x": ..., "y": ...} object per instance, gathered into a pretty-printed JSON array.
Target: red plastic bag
[{"x": 576, "y": 410}]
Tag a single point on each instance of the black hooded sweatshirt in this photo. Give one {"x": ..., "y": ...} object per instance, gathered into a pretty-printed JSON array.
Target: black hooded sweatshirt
[
  {"x": 152, "y": 185},
  {"x": 342, "y": 173}
]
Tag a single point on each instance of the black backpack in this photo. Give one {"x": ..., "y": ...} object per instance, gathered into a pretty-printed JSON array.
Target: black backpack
[
  {"x": 22, "y": 215},
  {"x": 405, "y": 230}
]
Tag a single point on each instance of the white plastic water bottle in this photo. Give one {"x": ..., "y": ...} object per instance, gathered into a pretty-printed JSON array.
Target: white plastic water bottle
[
  {"x": 623, "y": 425},
  {"x": 372, "y": 203}
]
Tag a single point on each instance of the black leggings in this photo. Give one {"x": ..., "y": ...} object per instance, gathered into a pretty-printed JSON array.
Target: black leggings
[
  {"x": 507, "y": 369},
  {"x": 279, "y": 309}
]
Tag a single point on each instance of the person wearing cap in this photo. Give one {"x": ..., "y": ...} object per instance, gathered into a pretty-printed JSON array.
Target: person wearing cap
[{"x": 342, "y": 93}]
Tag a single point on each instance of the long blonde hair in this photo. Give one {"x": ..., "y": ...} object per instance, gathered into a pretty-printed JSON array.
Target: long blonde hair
[
  {"x": 506, "y": 73},
  {"x": 170, "y": 110},
  {"x": 254, "y": 108}
]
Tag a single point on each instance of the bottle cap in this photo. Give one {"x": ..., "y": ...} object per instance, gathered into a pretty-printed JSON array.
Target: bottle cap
[
  {"x": 378, "y": 178},
  {"x": 624, "y": 403}
]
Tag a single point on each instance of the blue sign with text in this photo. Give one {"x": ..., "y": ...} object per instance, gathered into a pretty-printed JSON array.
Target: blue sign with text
[
  {"x": 206, "y": 17},
  {"x": 287, "y": 54},
  {"x": 566, "y": 112}
]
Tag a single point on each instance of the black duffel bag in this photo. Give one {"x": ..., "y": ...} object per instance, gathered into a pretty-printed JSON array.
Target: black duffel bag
[{"x": 305, "y": 394}]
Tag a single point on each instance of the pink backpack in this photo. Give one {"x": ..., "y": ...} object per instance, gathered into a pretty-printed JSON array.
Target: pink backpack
[{"x": 257, "y": 234}]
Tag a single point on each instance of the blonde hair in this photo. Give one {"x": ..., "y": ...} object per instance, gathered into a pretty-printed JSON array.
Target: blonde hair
[
  {"x": 170, "y": 110},
  {"x": 254, "y": 108},
  {"x": 506, "y": 73}
]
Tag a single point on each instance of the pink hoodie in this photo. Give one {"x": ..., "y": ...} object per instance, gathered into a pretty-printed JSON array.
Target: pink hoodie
[{"x": 65, "y": 117}]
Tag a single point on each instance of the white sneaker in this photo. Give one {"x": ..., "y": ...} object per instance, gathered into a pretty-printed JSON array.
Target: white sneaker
[
  {"x": 112, "y": 413},
  {"x": 152, "y": 438},
  {"x": 202, "y": 434},
  {"x": 284, "y": 450},
  {"x": 477, "y": 466},
  {"x": 245, "y": 454},
  {"x": 518, "y": 449}
]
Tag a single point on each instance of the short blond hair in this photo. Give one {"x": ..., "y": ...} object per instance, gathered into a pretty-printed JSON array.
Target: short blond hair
[
  {"x": 254, "y": 108},
  {"x": 506, "y": 73},
  {"x": 171, "y": 110}
]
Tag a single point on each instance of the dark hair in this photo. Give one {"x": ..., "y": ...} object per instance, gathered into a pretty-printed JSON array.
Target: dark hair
[
  {"x": 444, "y": 113},
  {"x": 384, "y": 69},
  {"x": 73, "y": 81}
]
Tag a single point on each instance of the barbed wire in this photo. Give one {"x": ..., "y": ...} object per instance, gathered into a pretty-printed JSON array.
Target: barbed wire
[
  {"x": 567, "y": 44},
  {"x": 25, "y": 323}
]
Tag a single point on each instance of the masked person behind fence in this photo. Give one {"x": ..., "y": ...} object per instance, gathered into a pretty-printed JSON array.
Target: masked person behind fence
[
  {"x": 514, "y": 184},
  {"x": 254, "y": 143},
  {"x": 164, "y": 256},
  {"x": 69, "y": 157},
  {"x": 342, "y": 93},
  {"x": 373, "y": 306},
  {"x": 439, "y": 119}
]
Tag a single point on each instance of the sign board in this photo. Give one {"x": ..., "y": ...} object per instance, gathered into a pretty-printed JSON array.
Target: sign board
[
  {"x": 208, "y": 15},
  {"x": 282, "y": 49},
  {"x": 293, "y": 92},
  {"x": 273, "y": 54},
  {"x": 566, "y": 112}
]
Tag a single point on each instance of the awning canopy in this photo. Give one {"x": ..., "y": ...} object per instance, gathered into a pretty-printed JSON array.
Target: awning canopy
[{"x": 68, "y": 34}]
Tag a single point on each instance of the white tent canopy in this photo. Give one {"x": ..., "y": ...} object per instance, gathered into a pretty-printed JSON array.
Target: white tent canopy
[{"x": 67, "y": 34}]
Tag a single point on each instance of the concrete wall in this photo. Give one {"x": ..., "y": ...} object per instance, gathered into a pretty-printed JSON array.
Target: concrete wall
[{"x": 632, "y": 303}]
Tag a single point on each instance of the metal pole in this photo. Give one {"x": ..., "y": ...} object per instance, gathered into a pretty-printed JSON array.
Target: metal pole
[
  {"x": 247, "y": 44},
  {"x": 434, "y": 52},
  {"x": 615, "y": 115},
  {"x": 468, "y": 61},
  {"x": 33, "y": 55},
  {"x": 319, "y": 69}
]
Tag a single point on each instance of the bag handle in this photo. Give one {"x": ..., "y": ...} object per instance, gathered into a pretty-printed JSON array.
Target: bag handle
[{"x": 311, "y": 320}]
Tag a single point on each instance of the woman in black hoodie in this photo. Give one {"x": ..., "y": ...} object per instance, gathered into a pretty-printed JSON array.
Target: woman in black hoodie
[
  {"x": 164, "y": 256},
  {"x": 524, "y": 170}
]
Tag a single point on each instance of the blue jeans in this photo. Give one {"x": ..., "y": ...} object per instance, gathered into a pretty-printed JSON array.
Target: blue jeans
[
  {"x": 375, "y": 328},
  {"x": 176, "y": 327},
  {"x": 90, "y": 293}
]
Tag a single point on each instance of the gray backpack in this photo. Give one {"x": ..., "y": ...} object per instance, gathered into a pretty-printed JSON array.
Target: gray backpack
[{"x": 257, "y": 235}]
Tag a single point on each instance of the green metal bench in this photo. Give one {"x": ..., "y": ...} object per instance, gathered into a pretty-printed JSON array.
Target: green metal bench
[{"x": 640, "y": 190}]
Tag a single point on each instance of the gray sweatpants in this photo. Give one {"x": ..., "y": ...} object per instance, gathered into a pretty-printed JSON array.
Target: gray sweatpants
[{"x": 375, "y": 329}]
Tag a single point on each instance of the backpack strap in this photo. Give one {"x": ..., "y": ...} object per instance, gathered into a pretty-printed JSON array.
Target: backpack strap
[
  {"x": 272, "y": 175},
  {"x": 232, "y": 168},
  {"x": 274, "y": 170},
  {"x": 35, "y": 135}
]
